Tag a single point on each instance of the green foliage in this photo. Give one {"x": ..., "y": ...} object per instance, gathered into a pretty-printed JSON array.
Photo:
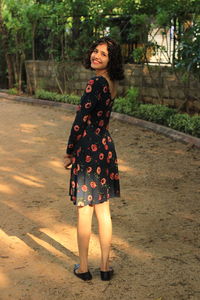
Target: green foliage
[
  {"x": 127, "y": 104},
  {"x": 196, "y": 126},
  {"x": 13, "y": 91},
  {"x": 52, "y": 96},
  {"x": 185, "y": 123},
  {"x": 157, "y": 113},
  {"x": 154, "y": 113},
  {"x": 130, "y": 105},
  {"x": 138, "y": 54},
  {"x": 189, "y": 50}
]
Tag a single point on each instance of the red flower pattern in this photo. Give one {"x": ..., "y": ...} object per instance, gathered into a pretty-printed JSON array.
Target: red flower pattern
[
  {"x": 105, "y": 89},
  {"x": 97, "y": 179},
  {"x": 109, "y": 154},
  {"x": 76, "y": 128},
  {"x": 94, "y": 147},
  {"x": 89, "y": 122},
  {"x": 89, "y": 197},
  {"x": 108, "y": 114},
  {"x": 88, "y": 105},
  {"x": 84, "y": 188},
  {"x": 97, "y": 130},
  {"x": 112, "y": 175},
  {"x": 101, "y": 123},
  {"x": 75, "y": 171},
  {"x": 107, "y": 101},
  {"x": 88, "y": 159},
  {"x": 116, "y": 176},
  {"x": 91, "y": 82},
  {"x": 93, "y": 184},
  {"x": 98, "y": 170},
  {"x": 104, "y": 141},
  {"x": 85, "y": 118},
  {"x": 89, "y": 169},
  {"x": 103, "y": 181},
  {"x": 73, "y": 184},
  {"x": 100, "y": 113},
  {"x": 88, "y": 89},
  {"x": 101, "y": 156}
]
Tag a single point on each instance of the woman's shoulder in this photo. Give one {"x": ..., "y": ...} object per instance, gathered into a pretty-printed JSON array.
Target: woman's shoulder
[{"x": 98, "y": 81}]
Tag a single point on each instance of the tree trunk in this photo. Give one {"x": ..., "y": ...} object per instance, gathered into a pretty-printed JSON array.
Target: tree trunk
[
  {"x": 33, "y": 40},
  {"x": 5, "y": 46},
  {"x": 10, "y": 70}
]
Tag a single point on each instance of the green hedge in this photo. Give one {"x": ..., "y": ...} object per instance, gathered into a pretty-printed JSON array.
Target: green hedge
[
  {"x": 185, "y": 123},
  {"x": 154, "y": 113},
  {"x": 52, "y": 96},
  {"x": 13, "y": 91},
  {"x": 130, "y": 105},
  {"x": 158, "y": 114}
]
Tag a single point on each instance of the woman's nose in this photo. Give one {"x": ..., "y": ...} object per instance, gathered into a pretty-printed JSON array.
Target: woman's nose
[{"x": 96, "y": 55}]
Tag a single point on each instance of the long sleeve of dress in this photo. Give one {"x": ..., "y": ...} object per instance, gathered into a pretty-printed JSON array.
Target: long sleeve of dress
[{"x": 87, "y": 104}]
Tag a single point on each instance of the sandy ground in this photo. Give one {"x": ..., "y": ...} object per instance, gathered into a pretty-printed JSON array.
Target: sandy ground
[{"x": 156, "y": 222}]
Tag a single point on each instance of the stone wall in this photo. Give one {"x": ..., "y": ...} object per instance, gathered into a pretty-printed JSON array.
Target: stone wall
[{"x": 157, "y": 85}]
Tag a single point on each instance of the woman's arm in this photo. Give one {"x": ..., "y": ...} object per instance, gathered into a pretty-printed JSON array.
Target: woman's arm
[{"x": 88, "y": 102}]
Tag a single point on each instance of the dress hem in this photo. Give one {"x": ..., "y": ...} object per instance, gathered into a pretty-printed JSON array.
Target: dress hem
[{"x": 92, "y": 204}]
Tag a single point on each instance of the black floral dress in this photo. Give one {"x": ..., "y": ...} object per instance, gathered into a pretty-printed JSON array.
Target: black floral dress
[{"x": 94, "y": 173}]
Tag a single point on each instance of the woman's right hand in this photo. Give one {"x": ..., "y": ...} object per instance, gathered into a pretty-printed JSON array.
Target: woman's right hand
[{"x": 67, "y": 161}]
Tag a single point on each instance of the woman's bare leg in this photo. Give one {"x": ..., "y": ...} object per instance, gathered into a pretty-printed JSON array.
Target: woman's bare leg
[
  {"x": 83, "y": 235},
  {"x": 102, "y": 211}
]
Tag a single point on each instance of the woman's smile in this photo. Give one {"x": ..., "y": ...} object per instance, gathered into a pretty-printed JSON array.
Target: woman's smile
[
  {"x": 99, "y": 58},
  {"x": 95, "y": 61}
]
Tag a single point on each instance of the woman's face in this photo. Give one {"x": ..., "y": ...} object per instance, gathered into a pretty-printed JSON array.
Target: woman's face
[{"x": 99, "y": 57}]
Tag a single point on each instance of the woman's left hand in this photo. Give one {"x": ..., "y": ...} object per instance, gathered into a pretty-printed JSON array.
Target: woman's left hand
[{"x": 67, "y": 161}]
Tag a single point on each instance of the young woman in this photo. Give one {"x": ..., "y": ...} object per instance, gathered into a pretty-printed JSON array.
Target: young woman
[{"x": 91, "y": 152}]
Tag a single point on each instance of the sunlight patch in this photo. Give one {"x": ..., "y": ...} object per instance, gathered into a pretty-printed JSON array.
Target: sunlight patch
[
  {"x": 4, "y": 188},
  {"x": 27, "y": 181}
]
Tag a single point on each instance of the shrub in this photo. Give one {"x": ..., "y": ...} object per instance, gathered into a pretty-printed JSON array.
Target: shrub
[
  {"x": 73, "y": 99},
  {"x": 46, "y": 95},
  {"x": 185, "y": 123},
  {"x": 154, "y": 113},
  {"x": 13, "y": 91},
  {"x": 119, "y": 104},
  {"x": 130, "y": 105},
  {"x": 195, "y": 125},
  {"x": 127, "y": 104},
  {"x": 52, "y": 96}
]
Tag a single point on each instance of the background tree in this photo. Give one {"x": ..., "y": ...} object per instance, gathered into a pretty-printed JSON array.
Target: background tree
[{"x": 62, "y": 30}]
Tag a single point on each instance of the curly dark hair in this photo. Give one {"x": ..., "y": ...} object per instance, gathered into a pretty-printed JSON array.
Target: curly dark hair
[{"x": 115, "y": 67}]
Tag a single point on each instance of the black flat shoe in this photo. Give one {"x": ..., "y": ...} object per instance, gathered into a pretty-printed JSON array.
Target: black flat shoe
[
  {"x": 84, "y": 276},
  {"x": 107, "y": 275}
]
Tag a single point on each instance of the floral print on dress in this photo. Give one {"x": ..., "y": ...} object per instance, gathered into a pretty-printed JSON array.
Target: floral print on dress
[{"x": 94, "y": 172}]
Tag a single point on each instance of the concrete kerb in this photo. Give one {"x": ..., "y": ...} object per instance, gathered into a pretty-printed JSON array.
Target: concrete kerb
[{"x": 175, "y": 135}]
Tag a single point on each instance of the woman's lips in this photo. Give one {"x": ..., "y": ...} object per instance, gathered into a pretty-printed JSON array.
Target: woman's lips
[{"x": 94, "y": 61}]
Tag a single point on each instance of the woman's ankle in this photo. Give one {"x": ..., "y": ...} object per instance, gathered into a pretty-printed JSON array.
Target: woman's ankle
[
  {"x": 83, "y": 269},
  {"x": 104, "y": 267}
]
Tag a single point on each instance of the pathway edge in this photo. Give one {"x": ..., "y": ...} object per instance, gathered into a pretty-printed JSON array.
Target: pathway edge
[{"x": 169, "y": 132}]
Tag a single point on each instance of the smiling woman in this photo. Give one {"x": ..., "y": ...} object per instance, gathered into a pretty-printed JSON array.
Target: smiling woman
[
  {"x": 99, "y": 57},
  {"x": 92, "y": 156}
]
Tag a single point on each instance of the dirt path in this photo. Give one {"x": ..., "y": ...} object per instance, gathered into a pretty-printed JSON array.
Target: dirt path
[{"x": 156, "y": 222}]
